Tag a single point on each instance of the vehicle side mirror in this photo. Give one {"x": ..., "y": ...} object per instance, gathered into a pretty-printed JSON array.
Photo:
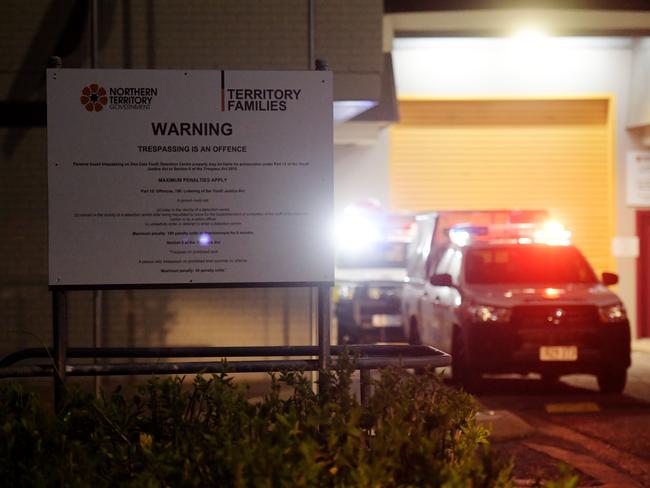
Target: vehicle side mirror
[
  {"x": 441, "y": 280},
  {"x": 610, "y": 279}
]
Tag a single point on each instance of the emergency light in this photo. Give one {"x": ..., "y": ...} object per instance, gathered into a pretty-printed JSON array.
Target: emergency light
[{"x": 550, "y": 233}]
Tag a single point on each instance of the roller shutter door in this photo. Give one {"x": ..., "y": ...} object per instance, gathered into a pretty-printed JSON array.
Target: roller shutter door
[{"x": 526, "y": 154}]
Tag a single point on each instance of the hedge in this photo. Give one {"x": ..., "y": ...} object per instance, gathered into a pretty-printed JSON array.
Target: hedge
[{"x": 415, "y": 431}]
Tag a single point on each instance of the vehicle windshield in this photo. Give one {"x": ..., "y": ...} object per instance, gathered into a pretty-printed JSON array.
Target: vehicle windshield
[
  {"x": 527, "y": 264},
  {"x": 376, "y": 255}
]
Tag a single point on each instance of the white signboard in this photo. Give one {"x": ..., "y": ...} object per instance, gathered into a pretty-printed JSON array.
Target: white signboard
[
  {"x": 625, "y": 247},
  {"x": 189, "y": 177},
  {"x": 638, "y": 178}
]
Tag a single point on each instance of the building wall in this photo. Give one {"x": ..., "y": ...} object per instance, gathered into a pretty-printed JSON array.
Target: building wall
[
  {"x": 361, "y": 172},
  {"x": 639, "y": 110},
  {"x": 196, "y": 34}
]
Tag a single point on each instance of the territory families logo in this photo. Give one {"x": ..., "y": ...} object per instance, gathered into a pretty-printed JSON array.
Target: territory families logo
[
  {"x": 95, "y": 98},
  {"x": 275, "y": 99}
]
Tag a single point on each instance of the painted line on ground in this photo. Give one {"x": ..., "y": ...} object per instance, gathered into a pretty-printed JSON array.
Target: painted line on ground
[{"x": 580, "y": 407}]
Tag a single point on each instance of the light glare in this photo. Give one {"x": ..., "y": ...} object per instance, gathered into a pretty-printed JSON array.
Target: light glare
[
  {"x": 356, "y": 230},
  {"x": 459, "y": 237},
  {"x": 553, "y": 233},
  {"x": 529, "y": 34},
  {"x": 204, "y": 239},
  {"x": 552, "y": 293}
]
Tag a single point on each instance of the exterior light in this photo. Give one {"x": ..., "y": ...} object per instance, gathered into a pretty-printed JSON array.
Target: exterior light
[
  {"x": 529, "y": 34},
  {"x": 613, "y": 313},
  {"x": 527, "y": 39}
]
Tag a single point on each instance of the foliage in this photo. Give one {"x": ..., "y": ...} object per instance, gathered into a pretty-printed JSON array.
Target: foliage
[
  {"x": 567, "y": 479},
  {"x": 414, "y": 431}
]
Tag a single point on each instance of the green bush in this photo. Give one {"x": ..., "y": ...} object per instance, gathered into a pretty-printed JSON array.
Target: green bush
[{"x": 414, "y": 431}]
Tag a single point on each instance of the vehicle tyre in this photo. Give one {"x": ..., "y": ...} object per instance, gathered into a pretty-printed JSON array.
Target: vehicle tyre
[
  {"x": 414, "y": 335},
  {"x": 414, "y": 340},
  {"x": 612, "y": 380},
  {"x": 348, "y": 333},
  {"x": 463, "y": 373},
  {"x": 348, "y": 338},
  {"x": 396, "y": 335},
  {"x": 344, "y": 336}
]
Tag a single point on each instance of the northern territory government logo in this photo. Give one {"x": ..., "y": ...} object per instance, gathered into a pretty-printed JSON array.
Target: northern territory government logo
[
  {"x": 93, "y": 97},
  {"x": 96, "y": 98},
  {"x": 271, "y": 99}
]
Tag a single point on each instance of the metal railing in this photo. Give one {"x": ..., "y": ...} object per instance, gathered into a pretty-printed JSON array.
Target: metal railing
[
  {"x": 301, "y": 358},
  {"x": 61, "y": 362}
]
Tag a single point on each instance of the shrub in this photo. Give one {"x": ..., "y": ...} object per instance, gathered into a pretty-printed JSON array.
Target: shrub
[{"x": 414, "y": 431}]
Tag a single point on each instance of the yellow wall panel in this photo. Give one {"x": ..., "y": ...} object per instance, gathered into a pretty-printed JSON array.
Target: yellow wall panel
[{"x": 526, "y": 154}]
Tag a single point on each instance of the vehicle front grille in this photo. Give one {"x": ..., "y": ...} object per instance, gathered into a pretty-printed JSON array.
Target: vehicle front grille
[
  {"x": 574, "y": 316},
  {"x": 556, "y": 324}
]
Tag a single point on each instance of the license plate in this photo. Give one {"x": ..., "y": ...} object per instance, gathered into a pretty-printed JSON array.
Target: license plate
[
  {"x": 558, "y": 353},
  {"x": 382, "y": 320}
]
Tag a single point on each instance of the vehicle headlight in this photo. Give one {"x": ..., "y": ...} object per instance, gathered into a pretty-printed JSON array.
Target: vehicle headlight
[
  {"x": 374, "y": 293},
  {"x": 613, "y": 314},
  {"x": 488, "y": 314},
  {"x": 343, "y": 292}
]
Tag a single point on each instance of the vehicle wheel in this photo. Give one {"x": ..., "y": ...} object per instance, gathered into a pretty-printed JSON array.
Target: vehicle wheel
[
  {"x": 414, "y": 335},
  {"x": 461, "y": 370},
  {"x": 414, "y": 340},
  {"x": 344, "y": 336},
  {"x": 612, "y": 380},
  {"x": 396, "y": 335},
  {"x": 347, "y": 333}
]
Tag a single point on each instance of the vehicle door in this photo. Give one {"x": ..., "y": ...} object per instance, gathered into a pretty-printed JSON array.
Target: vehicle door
[
  {"x": 417, "y": 258},
  {"x": 448, "y": 303},
  {"x": 434, "y": 301}
]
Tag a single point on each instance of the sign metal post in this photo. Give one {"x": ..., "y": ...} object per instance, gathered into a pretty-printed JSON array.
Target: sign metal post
[
  {"x": 60, "y": 341},
  {"x": 324, "y": 327}
]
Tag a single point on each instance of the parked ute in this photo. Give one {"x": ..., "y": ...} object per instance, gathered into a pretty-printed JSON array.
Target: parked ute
[
  {"x": 514, "y": 298},
  {"x": 370, "y": 273}
]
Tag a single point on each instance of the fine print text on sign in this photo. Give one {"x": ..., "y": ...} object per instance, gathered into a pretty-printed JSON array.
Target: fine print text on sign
[{"x": 189, "y": 177}]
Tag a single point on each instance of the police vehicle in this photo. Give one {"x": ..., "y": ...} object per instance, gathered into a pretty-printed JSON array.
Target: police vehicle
[{"x": 514, "y": 298}]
